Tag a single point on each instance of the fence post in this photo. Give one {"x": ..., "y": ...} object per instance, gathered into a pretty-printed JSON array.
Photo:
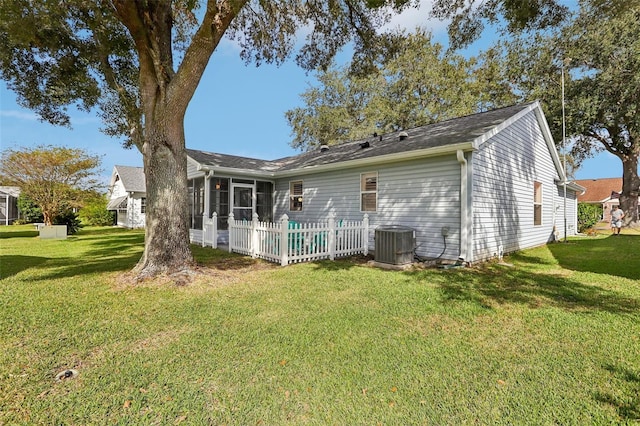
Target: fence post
[
  {"x": 232, "y": 223},
  {"x": 332, "y": 236},
  {"x": 284, "y": 240},
  {"x": 214, "y": 230},
  {"x": 255, "y": 240},
  {"x": 205, "y": 226},
  {"x": 365, "y": 234}
]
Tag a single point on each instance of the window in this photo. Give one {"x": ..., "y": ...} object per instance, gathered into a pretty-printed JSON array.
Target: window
[
  {"x": 368, "y": 192},
  {"x": 295, "y": 196},
  {"x": 537, "y": 203},
  {"x": 143, "y": 205}
]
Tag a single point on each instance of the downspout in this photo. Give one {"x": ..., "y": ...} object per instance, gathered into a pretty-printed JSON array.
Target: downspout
[{"x": 464, "y": 207}]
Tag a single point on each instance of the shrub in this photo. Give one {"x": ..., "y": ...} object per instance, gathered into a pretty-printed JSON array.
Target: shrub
[
  {"x": 588, "y": 215},
  {"x": 95, "y": 213},
  {"x": 70, "y": 219}
]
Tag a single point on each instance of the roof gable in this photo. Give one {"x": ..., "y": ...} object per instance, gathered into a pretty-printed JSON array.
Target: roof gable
[{"x": 132, "y": 178}]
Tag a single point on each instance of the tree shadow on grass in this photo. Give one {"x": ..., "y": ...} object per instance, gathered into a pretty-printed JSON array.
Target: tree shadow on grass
[
  {"x": 494, "y": 285},
  {"x": 103, "y": 255},
  {"x": 10, "y": 265},
  {"x": 19, "y": 234},
  {"x": 628, "y": 406},
  {"x": 614, "y": 255},
  {"x": 222, "y": 260}
]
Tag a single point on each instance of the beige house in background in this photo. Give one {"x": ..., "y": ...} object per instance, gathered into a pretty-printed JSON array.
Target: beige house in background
[{"x": 604, "y": 192}]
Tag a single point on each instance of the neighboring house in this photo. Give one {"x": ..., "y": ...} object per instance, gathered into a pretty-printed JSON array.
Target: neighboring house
[
  {"x": 9, "y": 204},
  {"x": 472, "y": 187},
  {"x": 127, "y": 196},
  {"x": 603, "y": 192}
]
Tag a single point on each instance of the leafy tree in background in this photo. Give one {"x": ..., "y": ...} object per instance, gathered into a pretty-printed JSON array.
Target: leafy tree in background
[
  {"x": 54, "y": 178},
  {"x": 29, "y": 210},
  {"x": 412, "y": 84},
  {"x": 600, "y": 52}
]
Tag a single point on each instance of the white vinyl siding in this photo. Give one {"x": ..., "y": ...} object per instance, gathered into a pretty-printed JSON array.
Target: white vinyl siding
[
  {"x": 422, "y": 194},
  {"x": 504, "y": 171}
]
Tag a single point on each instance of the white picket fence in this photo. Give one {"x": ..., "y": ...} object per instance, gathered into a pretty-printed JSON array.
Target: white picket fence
[
  {"x": 208, "y": 235},
  {"x": 288, "y": 242}
]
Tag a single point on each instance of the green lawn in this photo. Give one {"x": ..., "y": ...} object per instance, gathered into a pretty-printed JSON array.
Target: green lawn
[{"x": 553, "y": 339}]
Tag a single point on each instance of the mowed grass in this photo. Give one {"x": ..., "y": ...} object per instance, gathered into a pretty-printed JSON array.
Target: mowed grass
[{"x": 552, "y": 339}]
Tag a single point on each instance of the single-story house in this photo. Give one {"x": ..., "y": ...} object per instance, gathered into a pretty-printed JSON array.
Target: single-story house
[
  {"x": 9, "y": 211},
  {"x": 473, "y": 187},
  {"x": 127, "y": 196},
  {"x": 603, "y": 192}
]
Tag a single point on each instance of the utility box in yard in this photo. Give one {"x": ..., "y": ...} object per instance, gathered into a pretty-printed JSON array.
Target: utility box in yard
[{"x": 394, "y": 244}]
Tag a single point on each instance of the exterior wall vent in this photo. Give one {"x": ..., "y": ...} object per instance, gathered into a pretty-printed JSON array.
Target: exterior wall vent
[{"x": 394, "y": 244}]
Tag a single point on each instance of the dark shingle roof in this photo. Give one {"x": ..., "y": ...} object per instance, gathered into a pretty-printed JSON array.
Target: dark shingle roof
[
  {"x": 454, "y": 131},
  {"x": 132, "y": 178},
  {"x": 232, "y": 161}
]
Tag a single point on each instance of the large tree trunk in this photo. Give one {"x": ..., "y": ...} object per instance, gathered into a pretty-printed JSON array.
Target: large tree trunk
[
  {"x": 630, "y": 186},
  {"x": 167, "y": 228},
  {"x": 165, "y": 95}
]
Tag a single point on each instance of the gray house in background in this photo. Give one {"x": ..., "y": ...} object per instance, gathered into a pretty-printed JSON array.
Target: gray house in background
[
  {"x": 9, "y": 211},
  {"x": 127, "y": 196},
  {"x": 472, "y": 187}
]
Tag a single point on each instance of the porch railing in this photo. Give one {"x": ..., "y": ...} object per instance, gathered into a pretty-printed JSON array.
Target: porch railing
[{"x": 288, "y": 241}]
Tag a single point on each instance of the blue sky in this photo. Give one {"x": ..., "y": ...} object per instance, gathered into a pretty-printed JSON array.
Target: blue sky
[{"x": 238, "y": 109}]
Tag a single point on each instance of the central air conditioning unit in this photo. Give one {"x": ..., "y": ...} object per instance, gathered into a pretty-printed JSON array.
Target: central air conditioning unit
[{"x": 395, "y": 244}]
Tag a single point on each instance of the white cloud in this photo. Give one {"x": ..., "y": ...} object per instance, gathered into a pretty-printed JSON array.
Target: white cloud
[
  {"x": 21, "y": 115},
  {"x": 418, "y": 17}
]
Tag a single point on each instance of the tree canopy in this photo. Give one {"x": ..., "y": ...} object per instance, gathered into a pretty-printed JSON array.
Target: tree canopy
[
  {"x": 413, "y": 83},
  {"x": 54, "y": 178}
]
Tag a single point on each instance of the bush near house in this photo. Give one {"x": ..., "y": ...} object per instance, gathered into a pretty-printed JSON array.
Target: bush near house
[
  {"x": 95, "y": 213},
  {"x": 588, "y": 216}
]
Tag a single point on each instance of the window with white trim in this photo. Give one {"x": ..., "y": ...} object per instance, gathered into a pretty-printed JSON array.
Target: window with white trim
[
  {"x": 369, "y": 192},
  {"x": 295, "y": 196},
  {"x": 537, "y": 203}
]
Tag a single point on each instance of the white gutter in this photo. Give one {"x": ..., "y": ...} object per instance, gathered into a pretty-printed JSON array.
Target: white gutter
[{"x": 464, "y": 208}]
